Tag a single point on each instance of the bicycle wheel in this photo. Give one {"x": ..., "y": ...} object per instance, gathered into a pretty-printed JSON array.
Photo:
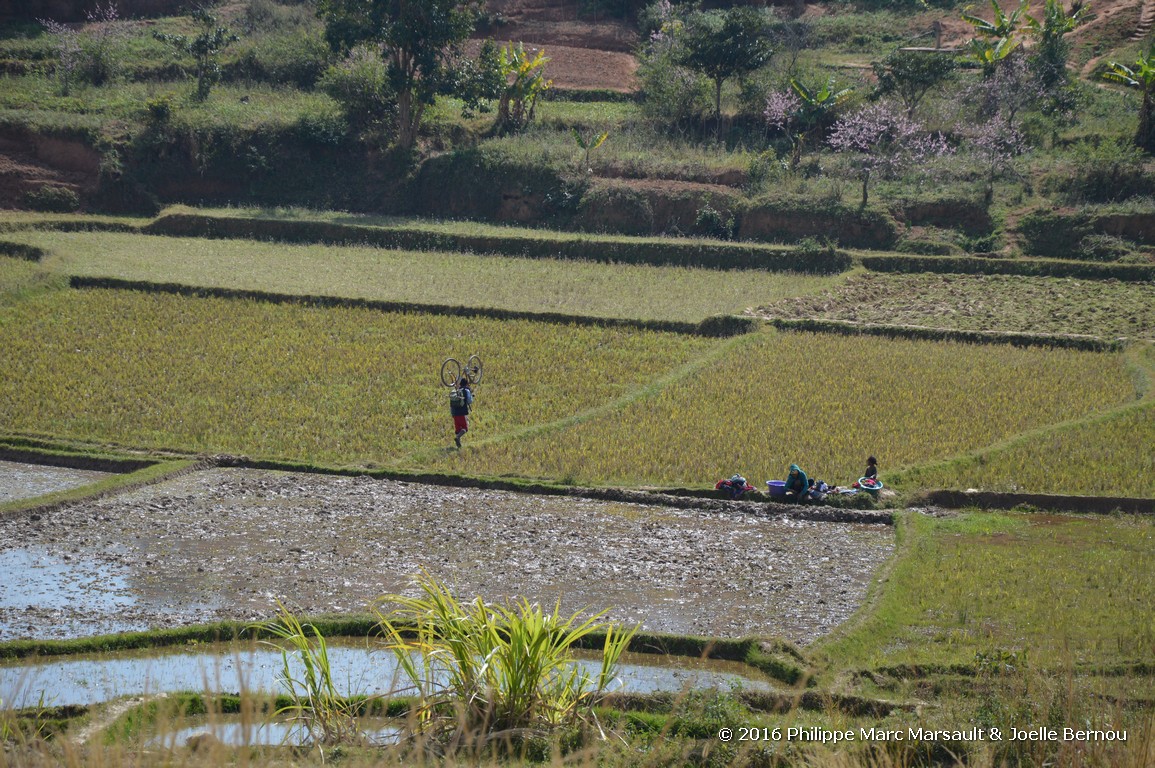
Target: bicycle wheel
[
  {"x": 450, "y": 372},
  {"x": 473, "y": 369}
]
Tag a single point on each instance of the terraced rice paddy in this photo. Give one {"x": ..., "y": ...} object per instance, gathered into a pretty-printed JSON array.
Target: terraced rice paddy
[
  {"x": 1108, "y": 308},
  {"x": 825, "y": 402},
  {"x": 457, "y": 279},
  {"x": 228, "y": 543},
  {"x": 335, "y": 385},
  {"x": 578, "y": 404}
]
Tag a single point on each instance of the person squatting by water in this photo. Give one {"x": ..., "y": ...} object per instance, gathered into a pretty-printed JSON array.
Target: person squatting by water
[
  {"x": 797, "y": 484},
  {"x": 460, "y": 403}
]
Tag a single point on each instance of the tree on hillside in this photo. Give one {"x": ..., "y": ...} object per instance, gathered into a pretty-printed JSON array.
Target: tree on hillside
[
  {"x": 205, "y": 47},
  {"x": 93, "y": 54},
  {"x": 882, "y": 141},
  {"x": 911, "y": 75},
  {"x": 1141, "y": 76},
  {"x": 725, "y": 44},
  {"x": 1049, "y": 56},
  {"x": 418, "y": 39}
]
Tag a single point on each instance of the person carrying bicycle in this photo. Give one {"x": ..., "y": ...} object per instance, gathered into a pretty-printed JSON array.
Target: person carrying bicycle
[{"x": 460, "y": 402}]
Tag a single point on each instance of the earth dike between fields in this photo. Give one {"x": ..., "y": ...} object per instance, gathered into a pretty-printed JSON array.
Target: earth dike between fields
[{"x": 228, "y": 543}]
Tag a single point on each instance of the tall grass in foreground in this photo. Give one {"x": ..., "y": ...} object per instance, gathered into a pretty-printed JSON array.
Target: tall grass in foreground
[
  {"x": 326, "y": 717},
  {"x": 491, "y": 674}
]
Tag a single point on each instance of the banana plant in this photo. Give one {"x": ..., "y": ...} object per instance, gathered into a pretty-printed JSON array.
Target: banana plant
[
  {"x": 1003, "y": 25},
  {"x": 589, "y": 142},
  {"x": 815, "y": 112},
  {"x": 525, "y": 80},
  {"x": 1141, "y": 76},
  {"x": 998, "y": 38}
]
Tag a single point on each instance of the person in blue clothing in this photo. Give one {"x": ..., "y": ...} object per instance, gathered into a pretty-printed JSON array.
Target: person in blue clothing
[
  {"x": 797, "y": 484},
  {"x": 460, "y": 403}
]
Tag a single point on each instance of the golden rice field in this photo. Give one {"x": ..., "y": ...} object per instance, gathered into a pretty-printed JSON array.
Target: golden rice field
[
  {"x": 435, "y": 277},
  {"x": 825, "y": 402},
  {"x": 1113, "y": 456},
  {"x": 577, "y": 404},
  {"x": 330, "y": 385}
]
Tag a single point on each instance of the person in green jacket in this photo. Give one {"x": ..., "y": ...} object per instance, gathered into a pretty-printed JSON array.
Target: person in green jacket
[{"x": 797, "y": 484}]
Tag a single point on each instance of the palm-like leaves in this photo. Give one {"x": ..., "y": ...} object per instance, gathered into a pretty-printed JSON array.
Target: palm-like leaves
[
  {"x": 999, "y": 37},
  {"x": 823, "y": 99},
  {"x": 1141, "y": 76},
  {"x": 482, "y": 671},
  {"x": 1003, "y": 25}
]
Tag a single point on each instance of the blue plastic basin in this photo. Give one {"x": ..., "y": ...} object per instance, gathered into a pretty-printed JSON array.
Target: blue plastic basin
[{"x": 776, "y": 487}]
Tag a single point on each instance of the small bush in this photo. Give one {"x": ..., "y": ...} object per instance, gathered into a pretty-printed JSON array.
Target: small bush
[
  {"x": 616, "y": 209},
  {"x": 672, "y": 95},
  {"x": 1101, "y": 172},
  {"x": 159, "y": 109},
  {"x": 1104, "y": 248},
  {"x": 713, "y": 223},
  {"x": 52, "y": 199},
  {"x": 928, "y": 247},
  {"x": 982, "y": 243},
  {"x": 360, "y": 84}
]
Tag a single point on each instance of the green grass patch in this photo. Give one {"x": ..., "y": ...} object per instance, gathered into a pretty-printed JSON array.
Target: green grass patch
[
  {"x": 824, "y": 402},
  {"x": 335, "y": 385},
  {"x": 641, "y": 292},
  {"x": 984, "y": 303},
  {"x": 1066, "y": 590}
]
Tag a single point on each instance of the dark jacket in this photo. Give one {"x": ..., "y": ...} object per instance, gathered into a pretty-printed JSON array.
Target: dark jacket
[{"x": 461, "y": 409}]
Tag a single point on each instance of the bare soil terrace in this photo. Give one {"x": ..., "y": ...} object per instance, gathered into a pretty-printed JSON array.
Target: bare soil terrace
[{"x": 226, "y": 543}]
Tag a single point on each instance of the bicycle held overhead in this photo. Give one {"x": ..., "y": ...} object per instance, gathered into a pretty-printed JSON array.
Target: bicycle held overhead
[
  {"x": 452, "y": 371},
  {"x": 460, "y": 379}
]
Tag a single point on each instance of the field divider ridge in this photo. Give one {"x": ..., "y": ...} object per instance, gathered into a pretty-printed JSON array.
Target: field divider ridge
[
  {"x": 927, "y": 333},
  {"x": 649, "y": 497},
  {"x": 980, "y": 454},
  {"x": 532, "y": 430},
  {"x": 623, "y": 249},
  {"x": 1030, "y": 267},
  {"x": 151, "y": 474}
]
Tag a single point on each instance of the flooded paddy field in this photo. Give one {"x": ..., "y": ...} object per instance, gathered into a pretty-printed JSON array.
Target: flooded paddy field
[
  {"x": 359, "y": 668},
  {"x": 227, "y": 543},
  {"x": 26, "y": 481}
]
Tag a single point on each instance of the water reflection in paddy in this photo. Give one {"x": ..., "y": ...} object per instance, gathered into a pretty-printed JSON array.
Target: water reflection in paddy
[
  {"x": 356, "y": 668},
  {"x": 26, "y": 481}
]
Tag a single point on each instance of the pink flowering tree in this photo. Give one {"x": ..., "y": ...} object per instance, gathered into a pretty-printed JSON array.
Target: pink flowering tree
[
  {"x": 996, "y": 144},
  {"x": 882, "y": 141},
  {"x": 804, "y": 113},
  {"x": 783, "y": 109}
]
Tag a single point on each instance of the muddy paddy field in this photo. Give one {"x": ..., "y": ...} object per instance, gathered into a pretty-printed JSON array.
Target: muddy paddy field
[{"x": 227, "y": 543}]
